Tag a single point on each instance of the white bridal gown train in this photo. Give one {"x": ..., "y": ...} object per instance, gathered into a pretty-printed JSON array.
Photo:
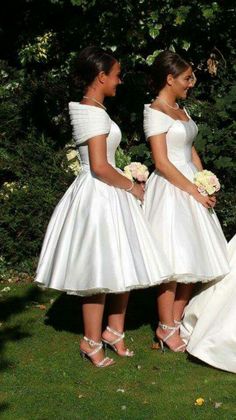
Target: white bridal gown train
[{"x": 209, "y": 324}]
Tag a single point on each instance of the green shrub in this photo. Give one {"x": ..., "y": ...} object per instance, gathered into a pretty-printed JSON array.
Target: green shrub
[{"x": 28, "y": 201}]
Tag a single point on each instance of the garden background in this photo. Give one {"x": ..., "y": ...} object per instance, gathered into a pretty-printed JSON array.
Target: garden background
[{"x": 39, "y": 43}]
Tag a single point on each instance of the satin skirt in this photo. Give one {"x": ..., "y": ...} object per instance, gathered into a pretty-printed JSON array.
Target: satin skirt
[
  {"x": 209, "y": 325},
  {"x": 188, "y": 233},
  {"x": 98, "y": 241}
]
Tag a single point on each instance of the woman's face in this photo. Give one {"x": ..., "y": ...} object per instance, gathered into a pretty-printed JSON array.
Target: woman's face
[
  {"x": 112, "y": 80},
  {"x": 182, "y": 83}
]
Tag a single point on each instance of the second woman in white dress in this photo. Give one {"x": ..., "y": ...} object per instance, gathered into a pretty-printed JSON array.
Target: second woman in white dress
[
  {"x": 98, "y": 240},
  {"x": 189, "y": 234}
]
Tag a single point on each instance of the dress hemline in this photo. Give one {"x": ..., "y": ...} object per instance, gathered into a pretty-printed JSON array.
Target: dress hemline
[
  {"x": 191, "y": 278},
  {"x": 96, "y": 291},
  {"x": 179, "y": 278}
]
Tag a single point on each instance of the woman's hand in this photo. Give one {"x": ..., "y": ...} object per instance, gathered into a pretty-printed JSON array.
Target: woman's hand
[
  {"x": 208, "y": 201},
  {"x": 138, "y": 191}
]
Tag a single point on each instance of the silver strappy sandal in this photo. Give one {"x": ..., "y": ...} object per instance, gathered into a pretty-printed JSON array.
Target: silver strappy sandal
[
  {"x": 112, "y": 344},
  {"x": 164, "y": 340},
  {"x": 97, "y": 347}
]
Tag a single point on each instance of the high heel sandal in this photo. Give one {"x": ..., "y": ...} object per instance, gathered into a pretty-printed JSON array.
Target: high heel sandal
[
  {"x": 112, "y": 344},
  {"x": 164, "y": 340},
  {"x": 88, "y": 355}
]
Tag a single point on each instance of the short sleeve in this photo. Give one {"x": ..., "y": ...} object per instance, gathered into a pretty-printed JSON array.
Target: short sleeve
[
  {"x": 88, "y": 121},
  {"x": 155, "y": 122},
  {"x": 187, "y": 113}
]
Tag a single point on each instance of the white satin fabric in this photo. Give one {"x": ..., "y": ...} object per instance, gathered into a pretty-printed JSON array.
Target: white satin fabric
[
  {"x": 209, "y": 325},
  {"x": 98, "y": 239},
  {"x": 189, "y": 235}
]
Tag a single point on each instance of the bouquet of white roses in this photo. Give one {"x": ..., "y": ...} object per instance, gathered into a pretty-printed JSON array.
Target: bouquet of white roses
[
  {"x": 207, "y": 183},
  {"x": 135, "y": 171}
]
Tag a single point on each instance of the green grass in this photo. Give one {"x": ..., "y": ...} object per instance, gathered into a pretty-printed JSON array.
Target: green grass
[{"x": 43, "y": 376}]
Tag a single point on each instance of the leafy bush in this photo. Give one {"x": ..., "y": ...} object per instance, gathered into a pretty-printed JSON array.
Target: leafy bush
[{"x": 28, "y": 201}]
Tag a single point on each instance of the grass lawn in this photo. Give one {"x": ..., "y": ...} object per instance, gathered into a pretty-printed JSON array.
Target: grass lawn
[{"x": 43, "y": 376}]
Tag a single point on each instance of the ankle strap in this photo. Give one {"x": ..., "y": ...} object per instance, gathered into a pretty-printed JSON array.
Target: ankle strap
[
  {"x": 120, "y": 335},
  {"x": 177, "y": 323},
  {"x": 167, "y": 327},
  {"x": 92, "y": 343}
]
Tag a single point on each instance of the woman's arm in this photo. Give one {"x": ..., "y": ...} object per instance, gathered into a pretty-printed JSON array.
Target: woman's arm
[
  {"x": 171, "y": 173},
  {"x": 104, "y": 171},
  {"x": 196, "y": 159}
]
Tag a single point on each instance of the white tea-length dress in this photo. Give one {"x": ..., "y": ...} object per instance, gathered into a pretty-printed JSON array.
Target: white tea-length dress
[
  {"x": 209, "y": 326},
  {"x": 189, "y": 234},
  {"x": 98, "y": 240}
]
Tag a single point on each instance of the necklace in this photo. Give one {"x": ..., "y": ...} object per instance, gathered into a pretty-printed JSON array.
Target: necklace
[
  {"x": 95, "y": 100},
  {"x": 164, "y": 102}
]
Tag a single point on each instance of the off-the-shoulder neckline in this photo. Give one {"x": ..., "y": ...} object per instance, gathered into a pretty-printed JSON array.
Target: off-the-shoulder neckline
[
  {"x": 161, "y": 112},
  {"x": 90, "y": 106}
]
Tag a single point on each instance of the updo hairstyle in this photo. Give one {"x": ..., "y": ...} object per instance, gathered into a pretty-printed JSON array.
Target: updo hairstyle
[
  {"x": 90, "y": 62},
  {"x": 167, "y": 62}
]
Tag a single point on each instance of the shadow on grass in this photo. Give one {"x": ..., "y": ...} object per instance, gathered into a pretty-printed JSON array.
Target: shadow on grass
[
  {"x": 65, "y": 313},
  {"x": 12, "y": 306},
  {"x": 142, "y": 309},
  {"x": 195, "y": 361},
  {"x": 3, "y": 407}
]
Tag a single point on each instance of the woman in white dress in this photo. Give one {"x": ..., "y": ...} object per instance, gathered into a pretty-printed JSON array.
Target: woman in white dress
[
  {"x": 98, "y": 240},
  {"x": 209, "y": 326},
  {"x": 189, "y": 234}
]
